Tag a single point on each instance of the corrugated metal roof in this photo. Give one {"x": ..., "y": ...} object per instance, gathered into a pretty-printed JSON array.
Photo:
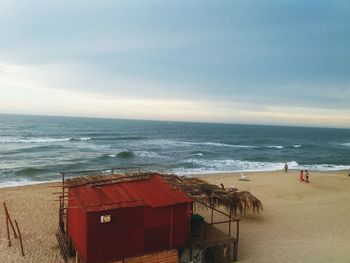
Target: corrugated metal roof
[{"x": 153, "y": 192}]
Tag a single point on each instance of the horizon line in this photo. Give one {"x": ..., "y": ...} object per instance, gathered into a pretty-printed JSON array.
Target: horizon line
[{"x": 177, "y": 121}]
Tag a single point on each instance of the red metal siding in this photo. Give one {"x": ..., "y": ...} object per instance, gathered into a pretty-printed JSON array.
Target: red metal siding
[
  {"x": 154, "y": 192},
  {"x": 122, "y": 237},
  {"x": 153, "y": 217},
  {"x": 182, "y": 214},
  {"x": 147, "y": 216},
  {"x": 156, "y": 238},
  {"x": 135, "y": 231},
  {"x": 77, "y": 228},
  {"x": 156, "y": 222}
]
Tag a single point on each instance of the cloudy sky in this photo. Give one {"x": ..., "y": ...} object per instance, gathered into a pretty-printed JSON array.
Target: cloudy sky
[{"x": 237, "y": 61}]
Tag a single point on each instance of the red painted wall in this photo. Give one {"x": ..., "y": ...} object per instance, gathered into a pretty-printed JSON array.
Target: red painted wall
[
  {"x": 132, "y": 231},
  {"x": 122, "y": 237},
  {"x": 182, "y": 217},
  {"x": 77, "y": 228}
]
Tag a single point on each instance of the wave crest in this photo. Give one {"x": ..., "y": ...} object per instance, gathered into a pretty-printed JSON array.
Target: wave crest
[
  {"x": 276, "y": 146},
  {"x": 39, "y": 139}
]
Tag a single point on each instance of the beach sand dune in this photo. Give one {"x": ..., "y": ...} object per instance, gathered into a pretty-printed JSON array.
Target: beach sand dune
[{"x": 300, "y": 222}]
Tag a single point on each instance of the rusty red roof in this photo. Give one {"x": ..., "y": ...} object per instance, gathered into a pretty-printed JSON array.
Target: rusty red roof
[{"x": 153, "y": 192}]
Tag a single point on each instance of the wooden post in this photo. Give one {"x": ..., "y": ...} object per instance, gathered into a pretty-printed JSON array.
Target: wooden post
[
  {"x": 63, "y": 206},
  {"x": 212, "y": 211},
  {"x": 235, "y": 252},
  {"x": 61, "y": 211},
  {"x": 8, "y": 231},
  {"x": 227, "y": 249},
  {"x": 66, "y": 222},
  {"x": 20, "y": 238},
  {"x": 229, "y": 233},
  {"x": 9, "y": 219},
  {"x": 205, "y": 234},
  {"x": 229, "y": 224},
  {"x": 190, "y": 224},
  {"x": 171, "y": 226}
]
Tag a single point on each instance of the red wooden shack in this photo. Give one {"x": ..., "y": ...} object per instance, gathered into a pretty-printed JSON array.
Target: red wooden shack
[{"x": 114, "y": 221}]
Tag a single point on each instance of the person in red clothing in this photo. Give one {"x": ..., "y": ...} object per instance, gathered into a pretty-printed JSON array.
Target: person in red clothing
[{"x": 301, "y": 176}]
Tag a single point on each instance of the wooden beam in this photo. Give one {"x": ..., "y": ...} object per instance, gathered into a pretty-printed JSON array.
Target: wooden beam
[
  {"x": 222, "y": 222},
  {"x": 234, "y": 218},
  {"x": 9, "y": 219},
  {"x": 20, "y": 238},
  {"x": 8, "y": 232}
]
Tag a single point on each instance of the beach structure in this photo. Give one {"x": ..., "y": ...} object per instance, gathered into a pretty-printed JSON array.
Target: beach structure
[{"x": 141, "y": 217}]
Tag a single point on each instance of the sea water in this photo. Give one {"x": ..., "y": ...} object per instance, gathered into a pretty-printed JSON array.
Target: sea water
[{"x": 36, "y": 148}]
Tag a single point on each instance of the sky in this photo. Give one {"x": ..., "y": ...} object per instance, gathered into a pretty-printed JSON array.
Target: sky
[{"x": 276, "y": 62}]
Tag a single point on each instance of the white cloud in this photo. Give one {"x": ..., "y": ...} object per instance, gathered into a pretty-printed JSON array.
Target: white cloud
[{"x": 49, "y": 89}]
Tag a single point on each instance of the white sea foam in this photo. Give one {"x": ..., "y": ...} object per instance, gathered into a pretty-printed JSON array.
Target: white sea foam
[
  {"x": 39, "y": 139},
  {"x": 345, "y": 144},
  {"x": 324, "y": 167},
  {"x": 83, "y": 138},
  {"x": 31, "y": 140},
  {"x": 276, "y": 146},
  {"x": 22, "y": 182},
  {"x": 186, "y": 143},
  {"x": 239, "y": 165},
  {"x": 146, "y": 154},
  {"x": 90, "y": 146},
  {"x": 223, "y": 166},
  {"x": 297, "y": 146},
  {"x": 225, "y": 145}
]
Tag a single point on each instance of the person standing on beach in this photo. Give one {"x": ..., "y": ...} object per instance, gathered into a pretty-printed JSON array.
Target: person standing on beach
[
  {"x": 301, "y": 176},
  {"x": 286, "y": 167},
  {"x": 306, "y": 176}
]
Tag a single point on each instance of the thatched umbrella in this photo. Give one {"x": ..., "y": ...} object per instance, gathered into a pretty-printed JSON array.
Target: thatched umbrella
[{"x": 235, "y": 201}]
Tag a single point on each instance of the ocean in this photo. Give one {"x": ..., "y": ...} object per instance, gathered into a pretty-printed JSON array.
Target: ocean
[{"x": 36, "y": 148}]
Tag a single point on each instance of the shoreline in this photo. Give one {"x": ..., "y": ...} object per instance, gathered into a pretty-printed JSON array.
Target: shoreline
[
  {"x": 13, "y": 184},
  {"x": 300, "y": 222}
]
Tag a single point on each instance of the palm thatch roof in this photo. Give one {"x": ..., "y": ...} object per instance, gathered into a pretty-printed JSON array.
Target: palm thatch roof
[
  {"x": 235, "y": 201},
  {"x": 238, "y": 202}
]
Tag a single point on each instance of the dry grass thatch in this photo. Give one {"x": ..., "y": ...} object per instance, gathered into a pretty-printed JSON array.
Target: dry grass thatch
[{"x": 238, "y": 202}]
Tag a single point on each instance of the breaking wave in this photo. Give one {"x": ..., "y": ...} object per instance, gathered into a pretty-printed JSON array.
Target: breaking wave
[
  {"x": 188, "y": 143},
  {"x": 146, "y": 154},
  {"x": 276, "y": 147},
  {"x": 212, "y": 166},
  {"x": 39, "y": 139},
  {"x": 20, "y": 182},
  {"x": 80, "y": 139},
  {"x": 239, "y": 165}
]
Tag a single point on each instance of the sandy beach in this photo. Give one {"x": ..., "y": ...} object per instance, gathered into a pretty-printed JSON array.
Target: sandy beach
[{"x": 300, "y": 222}]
